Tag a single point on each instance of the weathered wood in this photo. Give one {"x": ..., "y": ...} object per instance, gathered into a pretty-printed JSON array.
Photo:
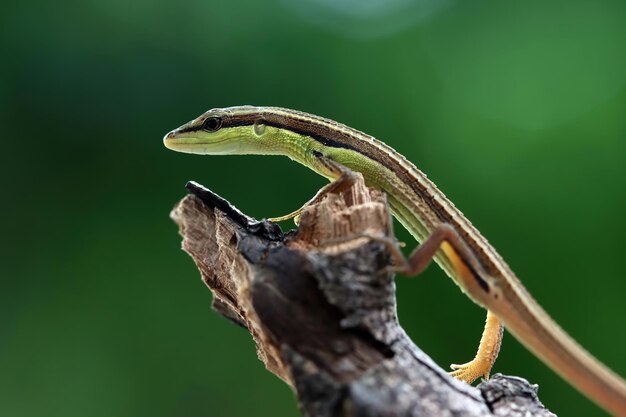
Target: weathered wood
[{"x": 320, "y": 306}]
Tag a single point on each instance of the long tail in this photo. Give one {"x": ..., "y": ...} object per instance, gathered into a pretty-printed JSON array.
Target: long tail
[{"x": 564, "y": 355}]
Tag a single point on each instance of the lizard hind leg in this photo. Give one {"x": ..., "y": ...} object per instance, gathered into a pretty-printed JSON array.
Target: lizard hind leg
[
  {"x": 447, "y": 238},
  {"x": 486, "y": 355}
]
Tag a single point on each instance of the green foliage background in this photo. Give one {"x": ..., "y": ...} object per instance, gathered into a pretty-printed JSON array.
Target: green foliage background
[{"x": 515, "y": 109}]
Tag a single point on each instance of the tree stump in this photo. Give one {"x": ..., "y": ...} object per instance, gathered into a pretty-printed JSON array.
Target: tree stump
[{"x": 320, "y": 305}]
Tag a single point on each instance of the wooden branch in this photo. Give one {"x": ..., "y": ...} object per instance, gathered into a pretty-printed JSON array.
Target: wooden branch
[{"x": 320, "y": 306}]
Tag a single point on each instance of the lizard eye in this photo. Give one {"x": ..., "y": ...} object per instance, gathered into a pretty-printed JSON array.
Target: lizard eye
[{"x": 212, "y": 124}]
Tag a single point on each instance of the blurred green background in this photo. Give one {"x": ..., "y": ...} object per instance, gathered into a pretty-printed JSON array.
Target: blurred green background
[{"x": 515, "y": 109}]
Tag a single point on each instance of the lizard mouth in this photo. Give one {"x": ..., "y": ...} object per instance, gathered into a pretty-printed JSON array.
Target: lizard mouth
[{"x": 200, "y": 146}]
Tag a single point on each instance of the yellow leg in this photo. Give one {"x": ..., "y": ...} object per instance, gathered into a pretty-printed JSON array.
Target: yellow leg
[
  {"x": 488, "y": 350},
  {"x": 447, "y": 239}
]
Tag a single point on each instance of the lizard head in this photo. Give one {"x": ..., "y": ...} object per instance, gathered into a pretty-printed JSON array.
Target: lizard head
[{"x": 233, "y": 130}]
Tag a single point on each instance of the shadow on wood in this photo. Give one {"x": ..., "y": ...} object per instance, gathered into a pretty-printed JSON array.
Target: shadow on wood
[{"x": 320, "y": 306}]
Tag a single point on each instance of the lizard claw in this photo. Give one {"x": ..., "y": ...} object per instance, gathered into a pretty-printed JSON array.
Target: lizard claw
[
  {"x": 471, "y": 371},
  {"x": 293, "y": 215}
]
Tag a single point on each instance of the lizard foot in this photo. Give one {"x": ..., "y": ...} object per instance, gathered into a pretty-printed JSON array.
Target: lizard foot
[
  {"x": 471, "y": 371},
  {"x": 294, "y": 215}
]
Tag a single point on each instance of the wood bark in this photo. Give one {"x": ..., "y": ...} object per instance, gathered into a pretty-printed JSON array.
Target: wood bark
[{"x": 320, "y": 305}]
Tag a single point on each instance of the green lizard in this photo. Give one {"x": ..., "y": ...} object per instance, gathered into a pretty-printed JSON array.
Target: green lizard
[{"x": 334, "y": 151}]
